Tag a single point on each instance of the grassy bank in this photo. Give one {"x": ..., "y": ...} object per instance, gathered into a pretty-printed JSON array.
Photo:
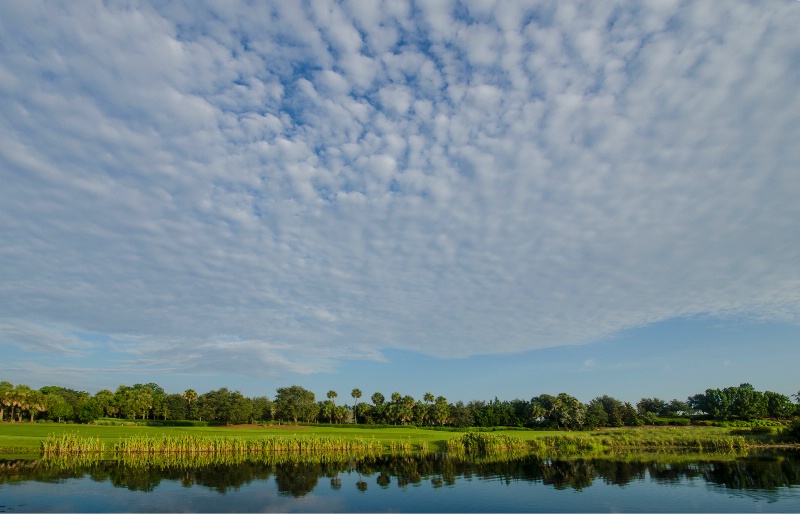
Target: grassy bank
[{"x": 29, "y": 437}]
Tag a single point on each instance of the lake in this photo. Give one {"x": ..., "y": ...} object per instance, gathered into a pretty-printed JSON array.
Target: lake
[{"x": 411, "y": 483}]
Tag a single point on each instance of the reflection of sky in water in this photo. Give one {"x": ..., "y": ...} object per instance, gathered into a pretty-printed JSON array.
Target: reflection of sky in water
[{"x": 429, "y": 493}]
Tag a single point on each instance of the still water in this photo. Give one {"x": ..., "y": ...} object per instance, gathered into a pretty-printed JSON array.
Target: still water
[{"x": 430, "y": 483}]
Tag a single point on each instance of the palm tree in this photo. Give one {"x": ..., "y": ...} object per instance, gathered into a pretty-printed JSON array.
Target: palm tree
[
  {"x": 189, "y": 395},
  {"x": 405, "y": 409},
  {"x": 428, "y": 398},
  {"x": 339, "y": 412},
  {"x": 19, "y": 399},
  {"x": 356, "y": 394},
  {"x": 5, "y": 396},
  {"x": 36, "y": 403},
  {"x": 326, "y": 410},
  {"x": 332, "y": 397},
  {"x": 441, "y": 411}
]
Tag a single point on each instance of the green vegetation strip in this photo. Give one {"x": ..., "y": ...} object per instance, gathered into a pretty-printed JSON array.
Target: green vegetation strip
[
  {"x": 66, "y": 444},
  {"x": 481, "y": 442},
  {"x": 73, "y": 444}
]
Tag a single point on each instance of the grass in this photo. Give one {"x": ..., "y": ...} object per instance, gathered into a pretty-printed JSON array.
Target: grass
[
  {"x": 28, "y": 437},
  {"x": 66, "y": 444}
]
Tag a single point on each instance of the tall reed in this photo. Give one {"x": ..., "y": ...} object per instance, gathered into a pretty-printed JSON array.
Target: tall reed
[
  {"x": 192, "y": 444},
  {"x": 482, "y": 442},
  {"x": 71, "y": 444}
]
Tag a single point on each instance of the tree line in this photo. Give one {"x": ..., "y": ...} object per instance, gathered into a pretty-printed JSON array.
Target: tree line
[{"x": 296, "y": 404}]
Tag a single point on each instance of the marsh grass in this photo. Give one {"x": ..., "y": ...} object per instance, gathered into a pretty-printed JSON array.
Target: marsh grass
[
  {"x": 485, "y": 442},
  {"x": 77, "y": 439},
  {"x": 73, "y": 444},
  {"x": 200, "y": 460},
  {"x": 592, "y": 443}
]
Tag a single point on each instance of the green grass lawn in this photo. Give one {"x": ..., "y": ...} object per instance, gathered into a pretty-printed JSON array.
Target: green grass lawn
[
  {"x": 27, "y": 437},
  {"x": 30, "y": 435}
]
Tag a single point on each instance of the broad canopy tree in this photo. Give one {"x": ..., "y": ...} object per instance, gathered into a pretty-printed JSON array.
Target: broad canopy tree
[{"x": 295, "y": 403}]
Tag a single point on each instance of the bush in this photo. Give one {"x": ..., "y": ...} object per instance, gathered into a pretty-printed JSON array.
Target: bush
[
  {"x": 177, "y": 423},
  {"x": 792, "y": 432},
  {"x": 752, "y": 431},
  {"x": 750, "y": 423},
  {"x": 675, "y": 421}
]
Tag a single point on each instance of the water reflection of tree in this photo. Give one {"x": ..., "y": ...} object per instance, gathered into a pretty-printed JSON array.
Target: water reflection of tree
[
  {"x": 298, "y": 478},
  {"x": 765, "y": 474}
]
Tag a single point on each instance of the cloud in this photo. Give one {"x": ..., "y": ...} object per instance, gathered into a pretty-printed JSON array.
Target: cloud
[{"x": 283, "y": 187}]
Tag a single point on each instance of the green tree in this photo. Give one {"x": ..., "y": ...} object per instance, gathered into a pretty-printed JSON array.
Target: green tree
[
  {"x": 747, "y": 402},
  {"x": 138, "y": 401},
  {"x": 367, "y": 412},
  {"x": 19, "y": 400},
  {"x": 596, "y": 415},
  {"x": 714, "y": 402},
  {"x": 677, "y": 408},
  {"x": 89, "y": 411},
  {"x": 326, "y": 410},
  {"x": 6, "y": 389},
  {"x": 262, "y": 408},
  {"x": 176, "y": 406},
  {"x": 356, "y": 394},
  {"x": 656, "y": 406},
  {"x": 378, "y": 412},
  {"x": 613, "y": 408},
  {"x": 235, "y": 408},
  {"x": 105, "y": 399},
  {"x": 295, "y": 403},
  {"x": 190, "y": 395},
  {"x": 461, "y": 415},
  {"x": 562, "y": 411},
  {"x": 441, "y": 411},
  {"x": 421, "y": 413},
  {"x": 778, "y": 405},
  {"x": 339, "y": 412},
  {"x": 223, "y": 405},
  {"x": 35, "y": 404},
  {"x": 57, "y": 407},
  {"x": 205, "y": 407},
  {"x": 405, "y": 409},
  {"x": 74, "y": 398},
  {"x": 160, "y": 406},
  {"x": 121, "y": 401}
]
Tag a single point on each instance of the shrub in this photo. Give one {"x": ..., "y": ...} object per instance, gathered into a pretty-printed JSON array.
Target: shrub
[
  {"x": 792, "y": 432},
  {"x": 177, "y": 423}
]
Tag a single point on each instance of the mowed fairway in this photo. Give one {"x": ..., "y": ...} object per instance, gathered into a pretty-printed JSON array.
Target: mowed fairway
[{"x": 29, "y": 435}]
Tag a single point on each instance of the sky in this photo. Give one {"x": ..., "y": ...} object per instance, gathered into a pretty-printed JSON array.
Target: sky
[{"x": 478, "y": 199}]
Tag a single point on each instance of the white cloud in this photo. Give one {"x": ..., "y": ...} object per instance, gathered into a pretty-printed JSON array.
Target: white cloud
[{"x": 305, "y": 186}]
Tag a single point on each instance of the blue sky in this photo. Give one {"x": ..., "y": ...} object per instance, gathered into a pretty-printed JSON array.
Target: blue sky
[{"x": 475, "y": 199}]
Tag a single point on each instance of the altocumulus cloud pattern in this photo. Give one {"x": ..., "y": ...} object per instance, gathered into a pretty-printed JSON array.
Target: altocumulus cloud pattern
[{"x": 279, "y": 186}]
